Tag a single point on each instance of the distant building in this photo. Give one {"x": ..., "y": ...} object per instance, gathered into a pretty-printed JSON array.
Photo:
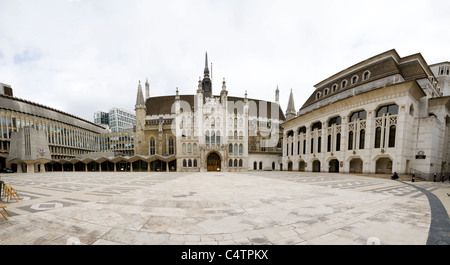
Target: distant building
[
  {"x": 118, "y": 120},
  {"x": 101, "y": 118}
]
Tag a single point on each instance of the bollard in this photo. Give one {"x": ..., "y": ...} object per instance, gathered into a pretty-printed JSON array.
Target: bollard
[
  {"x": 443, "y": 177},
  {"x": 434, "y": 179},
  {"x": 412, "y": 177}
]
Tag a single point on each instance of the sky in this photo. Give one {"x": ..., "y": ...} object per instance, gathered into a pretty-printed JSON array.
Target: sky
[{"x": 83, "y": 56}]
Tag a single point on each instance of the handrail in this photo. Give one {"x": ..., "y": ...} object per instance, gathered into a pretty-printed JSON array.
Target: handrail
[{"x": 426, "y": 176}]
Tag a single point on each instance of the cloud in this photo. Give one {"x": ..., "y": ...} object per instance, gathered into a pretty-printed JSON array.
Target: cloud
[{"x": 85, "y": 56}]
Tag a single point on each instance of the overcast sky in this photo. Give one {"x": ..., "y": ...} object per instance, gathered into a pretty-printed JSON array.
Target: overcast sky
[{"x": 89, "y": 55}]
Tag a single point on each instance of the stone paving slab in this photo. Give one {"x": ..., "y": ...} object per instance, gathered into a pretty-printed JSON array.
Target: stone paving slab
[{"x": 218, "y": 208}]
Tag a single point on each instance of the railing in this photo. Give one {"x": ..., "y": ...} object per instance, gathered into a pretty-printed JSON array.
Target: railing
[{"x": 426, "y": 176}]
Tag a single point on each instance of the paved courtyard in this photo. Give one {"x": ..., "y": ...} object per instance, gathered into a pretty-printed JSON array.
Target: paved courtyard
[{"x": 224, "y": 208}]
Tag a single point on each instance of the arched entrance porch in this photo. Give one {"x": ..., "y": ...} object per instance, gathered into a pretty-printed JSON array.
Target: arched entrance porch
[
  {"x": 316, "y": 166},
  {"x": 384, "y": 165},
  {"x": 301, "y": 166},
  {"x": 290, "y": 165},
  {"x": 356, "y": 165},
  {"x": 213, "y": 162},
  {"x": 333, "y": 166}
]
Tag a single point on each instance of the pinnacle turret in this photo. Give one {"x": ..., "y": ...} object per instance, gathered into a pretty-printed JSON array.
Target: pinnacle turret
[
  {"x": 290, "y": 111},
  {"x": 140, "y": 102}
]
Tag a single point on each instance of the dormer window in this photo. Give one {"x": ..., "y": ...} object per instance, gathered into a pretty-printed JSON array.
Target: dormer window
[
  {"x": 318, "y": 95},
  {"x": 334, "y": 88},
  {"x": 354, "y": 79},
  {"x": 344, "y": 84},
  {"x": 326, "y": 91},
  {"x": 366, "y": 75}
]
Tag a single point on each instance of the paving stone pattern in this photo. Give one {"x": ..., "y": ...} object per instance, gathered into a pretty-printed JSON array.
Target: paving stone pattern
[{"x": 222, "y": 208}]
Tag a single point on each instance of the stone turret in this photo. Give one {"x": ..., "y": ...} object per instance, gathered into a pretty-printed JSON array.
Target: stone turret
[
  {"x": 290, "y": 111},
  {"x": 141, "y": 112}
]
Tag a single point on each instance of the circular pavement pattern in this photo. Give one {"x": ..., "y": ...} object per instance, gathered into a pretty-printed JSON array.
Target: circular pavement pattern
[{"x": 223, "y": 208}]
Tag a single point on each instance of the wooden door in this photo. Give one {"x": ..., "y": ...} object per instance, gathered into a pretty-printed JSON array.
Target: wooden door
[{"x": 213, "y": 162}]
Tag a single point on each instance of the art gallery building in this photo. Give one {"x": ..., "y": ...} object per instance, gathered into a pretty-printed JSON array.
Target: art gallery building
[{"x": 385, "y": 114}]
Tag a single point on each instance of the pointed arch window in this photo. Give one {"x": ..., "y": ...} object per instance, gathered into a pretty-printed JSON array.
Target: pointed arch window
[
  {"x": 213, "y": 138},
  {"x": 218, "y": 137},
  {"x": 392, "y": 131},
  {"x": 207, "y": 137},
  {"x": 195, "y": 148},
  {"x": 378, "y": 137},
  {"x": 338, "y": 142},
  {"x": 350, "y": 140},
  {"x": 152, "y": 146},
  {"x": 171, "y": 146},
  {"x": 362, "y": 138}
]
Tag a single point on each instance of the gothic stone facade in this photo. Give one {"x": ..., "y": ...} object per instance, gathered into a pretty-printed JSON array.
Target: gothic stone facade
[{"x": 203, "y": 132}]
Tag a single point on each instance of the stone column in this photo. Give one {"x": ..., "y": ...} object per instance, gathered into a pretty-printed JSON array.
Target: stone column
[
  {"x": 30, "y": 168},
  {"x": 42, "y": 168}
]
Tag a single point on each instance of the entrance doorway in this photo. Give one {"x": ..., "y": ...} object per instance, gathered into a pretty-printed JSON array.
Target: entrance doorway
[
  {"x": 2, "y": 162},
  {"x": 213, "y": 162},
  {"x": 334, "y": 166},
  {"x": 356, "y": 165},
  {"x": 384, "y": 165},
  {"x": 316, "y": 166},
  {"x": 301, "y": 166}
]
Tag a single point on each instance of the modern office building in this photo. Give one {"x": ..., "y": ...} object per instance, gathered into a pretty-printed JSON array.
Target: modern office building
[
  {"x": 101, "y": 118},
  {"x": 116, "y": 119},
  {"x": 65, "y": 135},
  {"x": 120, "y": 119}
]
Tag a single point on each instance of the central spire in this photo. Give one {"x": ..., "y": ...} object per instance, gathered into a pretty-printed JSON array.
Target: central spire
[
  {"x": 206, "y": 72},
  {"x": 206, "y": 82}
]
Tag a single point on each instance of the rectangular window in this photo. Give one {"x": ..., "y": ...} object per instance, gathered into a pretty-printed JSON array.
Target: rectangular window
[
  {"x": 338, "y": 142},
  {"x": 350, "y": 140},
  {"x": 304, "y": 147},
  {"x": 319, "y": 145},
  {"x": 362, "y": 139}
]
